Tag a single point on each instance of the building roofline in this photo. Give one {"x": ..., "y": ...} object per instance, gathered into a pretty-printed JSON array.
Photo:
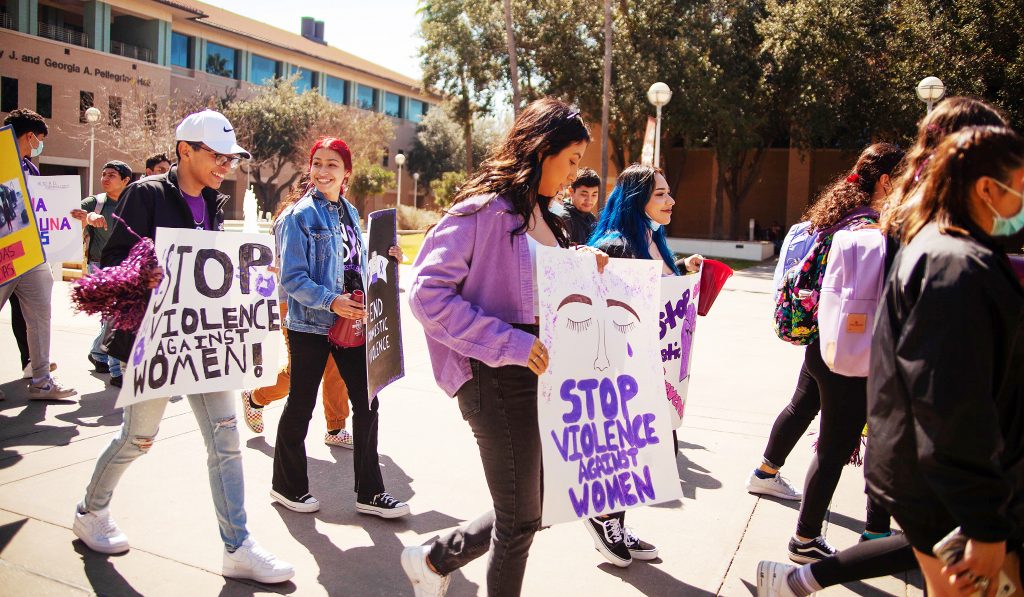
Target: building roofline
[{"x": 184, "y": 7}]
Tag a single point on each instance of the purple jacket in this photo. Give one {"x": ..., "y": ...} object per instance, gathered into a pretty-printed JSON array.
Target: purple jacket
[{"x": 472, "y": 282}]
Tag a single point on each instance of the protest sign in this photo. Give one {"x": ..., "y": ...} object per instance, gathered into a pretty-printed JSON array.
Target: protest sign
[
  {"x": 53, "y": 198},
  {"x": 212, "y": 324},
  {"x": 677, "y": 324},
  {"x": 603, "y": 414},
  {"x": 385, "y": 361},
  {"x": 20, "y": 249}
]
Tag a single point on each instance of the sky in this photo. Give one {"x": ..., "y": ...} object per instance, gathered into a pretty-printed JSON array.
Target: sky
[{"x": 381, "y": 31}]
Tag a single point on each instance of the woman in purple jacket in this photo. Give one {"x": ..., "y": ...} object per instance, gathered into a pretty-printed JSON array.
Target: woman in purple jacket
[{"x": 475, "y": 294}]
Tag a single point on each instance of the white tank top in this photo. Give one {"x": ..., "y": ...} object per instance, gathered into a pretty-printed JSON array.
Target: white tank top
[{"x": 532, "y": 245}]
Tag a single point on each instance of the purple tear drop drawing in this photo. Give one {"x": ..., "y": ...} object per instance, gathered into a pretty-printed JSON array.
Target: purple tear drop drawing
[{"x": 629, "y": 349}]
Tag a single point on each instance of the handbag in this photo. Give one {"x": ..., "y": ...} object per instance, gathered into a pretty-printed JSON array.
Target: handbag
[{"x": 348, "y": 333}]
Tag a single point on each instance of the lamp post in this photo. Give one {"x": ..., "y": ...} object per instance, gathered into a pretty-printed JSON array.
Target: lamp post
[
  {"x": 930, "y": 90},
  {"x": 92, "y": 117},
  {"x": 415, "y": 188},
  {"x": 659, "y": 94},
  {"x": 400, "y": 161}
]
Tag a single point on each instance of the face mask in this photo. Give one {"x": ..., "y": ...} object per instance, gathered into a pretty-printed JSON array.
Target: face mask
[
  {"x": 37, "y": 149},
  {"x": 1007, "y": 226},
  {"x": 654, "y": 225}
]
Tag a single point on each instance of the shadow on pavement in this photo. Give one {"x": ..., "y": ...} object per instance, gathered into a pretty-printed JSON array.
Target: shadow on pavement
[
  {"x": 651, "y": 580},
  {"x": 26, "y": 428},
  {"x": 692, "y": 476},
  {"x": 96, "y": 404},
  {"x": 8, "y": 531},
  {"x": 372, "y": 570},
  {"x": 103, "y": 577}
]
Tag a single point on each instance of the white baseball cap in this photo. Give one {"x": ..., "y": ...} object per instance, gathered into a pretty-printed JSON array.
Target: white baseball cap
[{"x": 212, "y": 129}]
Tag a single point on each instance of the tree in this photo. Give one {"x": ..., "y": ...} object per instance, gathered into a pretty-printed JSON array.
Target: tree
[
  {"x": 459, "y": 56},
  {"x": 510, "y": 37},
  {"x": 368, "y": 179},
  {"x": 439, "y": 145},
  {"x": 445, "y": 188},
  {"x": 278, "y": 125}
]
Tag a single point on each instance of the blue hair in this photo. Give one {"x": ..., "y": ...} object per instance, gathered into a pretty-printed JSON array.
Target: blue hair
[{"x": 624, "y": 219}]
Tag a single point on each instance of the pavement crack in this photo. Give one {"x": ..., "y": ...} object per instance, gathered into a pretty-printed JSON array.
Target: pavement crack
[{"x": 739, "y": 544}]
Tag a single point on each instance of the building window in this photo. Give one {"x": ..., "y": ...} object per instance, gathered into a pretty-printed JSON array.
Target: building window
[
  {"x": 8, "y": 94},
  {"x": 336, "y": 90},
  {"x": 181, "y": 50},
  {"x": 306, "y": 81},
  {"x": 221, "y": 60},
  {"x": 393, "y": 104},
  {"x": 417, "y": 110},
  {"x": 44, "y": 100},
  {"x": 85, "y": 101},
  {"x": 366, "y": 97},
  {"x": 150, "y": 117},
  {"x": 263, "y": 70},
  {"x": 114, "y": 115}
]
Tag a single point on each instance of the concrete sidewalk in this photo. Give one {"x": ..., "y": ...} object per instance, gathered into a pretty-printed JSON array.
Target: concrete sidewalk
[{"x": 710, "y": 542}]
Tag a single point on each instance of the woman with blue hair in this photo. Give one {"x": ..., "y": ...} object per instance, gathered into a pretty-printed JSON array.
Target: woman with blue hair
[{"x": 632, "y": 226}]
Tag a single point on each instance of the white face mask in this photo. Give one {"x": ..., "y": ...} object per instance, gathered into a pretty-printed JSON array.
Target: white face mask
[
  {"x": 38, "y": 149},
  {"x": 655, "y": 226}
]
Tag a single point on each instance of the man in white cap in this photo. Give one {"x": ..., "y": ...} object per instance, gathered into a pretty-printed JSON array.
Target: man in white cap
[{"x": 184, "y": 197}]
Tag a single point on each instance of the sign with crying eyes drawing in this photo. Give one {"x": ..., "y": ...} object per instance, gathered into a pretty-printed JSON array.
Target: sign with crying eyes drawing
[{"x": 604, "y": 416}]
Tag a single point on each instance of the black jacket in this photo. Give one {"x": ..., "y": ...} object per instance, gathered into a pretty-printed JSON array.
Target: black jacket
[
  {"x": 946, "y": 390},
  {"x": 579, "y": 224},
  {"x": 150, "y": 203},
  {"x": 156, "y": 202}
]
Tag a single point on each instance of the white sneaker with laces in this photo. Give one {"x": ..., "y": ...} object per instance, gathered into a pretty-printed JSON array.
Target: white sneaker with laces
[
  {"x": 777, "y": 486},
  {"x": 425, "y": 582},
  {"x": 49, "y": 390},
  {"x": 253, "y": 562},
  {"x": 99, "y": 532},
  {"x": 771, "y": 579}
]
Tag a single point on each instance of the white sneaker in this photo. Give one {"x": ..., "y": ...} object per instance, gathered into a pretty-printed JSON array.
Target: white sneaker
[
  {"x": 99, "y": 532},
  {"x": 49, "y": 390},
  {"x": 342, "y": 439},
  {"x": 771, "y": 579},
  {"x": 777, "y": 486},
  {"x": 304, "y": 504},
  {"x": 253, "y": 562},
  {"x": 425, "y": 582},
  {"x": 26, "y": 373}
]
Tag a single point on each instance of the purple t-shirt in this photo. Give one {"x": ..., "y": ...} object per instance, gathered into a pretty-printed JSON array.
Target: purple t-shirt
[{"x": 198, "y": 207}]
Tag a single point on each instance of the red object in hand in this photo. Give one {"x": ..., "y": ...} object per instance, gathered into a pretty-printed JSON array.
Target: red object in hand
[
  {"x": 348, "y": 333},
  {"x": 712, "y": 279}
]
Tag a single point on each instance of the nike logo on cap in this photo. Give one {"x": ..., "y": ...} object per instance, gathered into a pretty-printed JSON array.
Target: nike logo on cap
[{"x": 228, "y": 130}]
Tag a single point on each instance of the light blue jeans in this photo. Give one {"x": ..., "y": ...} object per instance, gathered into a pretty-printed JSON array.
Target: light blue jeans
[
  {"x": 215, "y": 413},
  {"x": 96, "y": 352}
]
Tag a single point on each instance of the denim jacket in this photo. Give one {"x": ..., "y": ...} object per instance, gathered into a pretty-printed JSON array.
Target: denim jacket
[{"x": 312, "y": 270}]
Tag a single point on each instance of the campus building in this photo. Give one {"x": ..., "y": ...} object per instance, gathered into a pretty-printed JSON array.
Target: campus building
[{"x": 128, "y": 57}]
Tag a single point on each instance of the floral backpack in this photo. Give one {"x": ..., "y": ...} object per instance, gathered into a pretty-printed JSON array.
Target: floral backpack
[{"x": 796, "y": 308}]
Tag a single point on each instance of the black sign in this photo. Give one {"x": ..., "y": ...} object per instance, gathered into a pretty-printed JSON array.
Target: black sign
[{"x": 385, "y": 361}]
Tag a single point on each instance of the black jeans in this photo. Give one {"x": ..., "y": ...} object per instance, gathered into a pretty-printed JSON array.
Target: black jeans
[
  {"x": 20, "y": 329},
  {"x": 500, "y": 405},
  {"x": 308, "y": 354}
]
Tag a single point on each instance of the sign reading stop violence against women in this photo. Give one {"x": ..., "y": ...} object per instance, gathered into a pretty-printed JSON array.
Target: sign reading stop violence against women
[
  {"x": 213, "y": 322},
  {"x": 604, "y": 417},
  {"x": 385, "y": 361},
  {"x": 677, "y": 324}
]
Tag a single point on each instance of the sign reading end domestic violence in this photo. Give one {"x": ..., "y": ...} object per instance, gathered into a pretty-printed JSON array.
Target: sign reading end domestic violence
[
  {"x": 604, "y": 417},
  {"x": 212, "y": 323},
  {"x": 385, "y": 361}
]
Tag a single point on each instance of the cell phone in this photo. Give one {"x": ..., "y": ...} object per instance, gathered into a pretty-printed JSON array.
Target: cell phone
[{"x": 950, "y": 550}]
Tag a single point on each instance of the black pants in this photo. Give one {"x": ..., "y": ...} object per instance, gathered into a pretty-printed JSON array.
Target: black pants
[
  {"x": 500, "y": 405},
  {"x": 843, "y": 405},
  {"x": 308, "y": 354},
  {"x": 20, "y": 329},
  {"x": 870, "y": 559}
]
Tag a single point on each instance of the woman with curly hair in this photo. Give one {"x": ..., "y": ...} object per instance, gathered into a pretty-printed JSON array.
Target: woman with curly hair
[{"x": 851, "y": 202}]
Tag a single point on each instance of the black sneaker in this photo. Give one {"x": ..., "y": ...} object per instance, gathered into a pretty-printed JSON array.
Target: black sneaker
[
  {"x": 638, "y": 548},
  {"x": 383, "y": 505},
  {"x": 815, "y": 550},
  {"x": 116, "y": 380},
  {"x": 609, "y": 540},
  {"x": 100, "y": 367}
]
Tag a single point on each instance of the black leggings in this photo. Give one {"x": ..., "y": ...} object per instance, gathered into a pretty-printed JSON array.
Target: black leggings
[
  {"x": 870, "y": 559},
  {"x": 308, "y": 354},
  {"x": 20, "y": 329},
  {"x": 843, "y": 405}
]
